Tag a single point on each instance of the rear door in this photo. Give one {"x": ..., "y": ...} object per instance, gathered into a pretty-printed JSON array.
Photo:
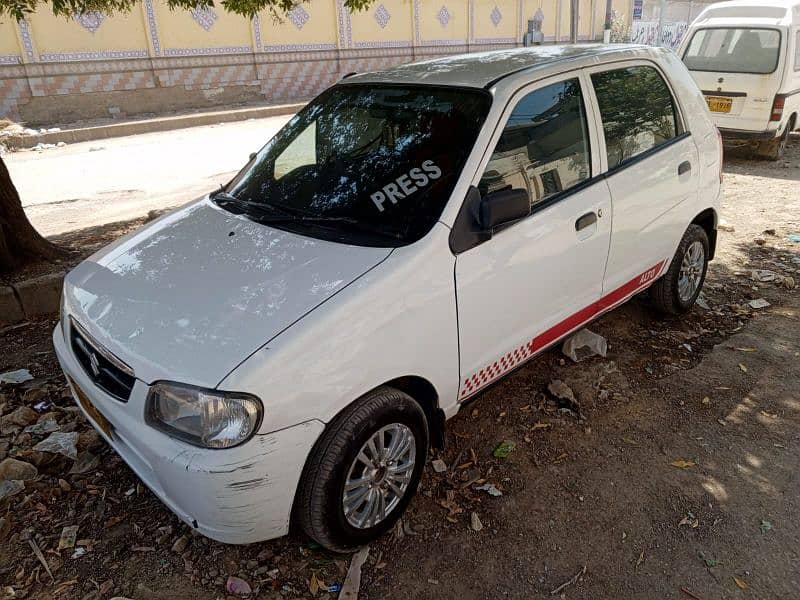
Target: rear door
[
  {"x": 540, "y": 277},
  {"x": 652, "y": 169},
  {"x": 739, "y": 70}
]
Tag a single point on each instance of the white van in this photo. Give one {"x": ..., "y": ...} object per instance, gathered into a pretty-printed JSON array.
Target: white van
[{"x": 745, "y": 57}]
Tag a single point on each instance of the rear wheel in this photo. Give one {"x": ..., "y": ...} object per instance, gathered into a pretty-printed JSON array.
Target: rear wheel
[
  {"x": 680, "y": 286},
  {"x": 363, "y": 471},
  {"x": 775, "y": 149}
]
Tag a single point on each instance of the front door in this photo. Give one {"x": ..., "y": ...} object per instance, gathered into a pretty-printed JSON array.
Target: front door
[{"x": 541, "y": 277}]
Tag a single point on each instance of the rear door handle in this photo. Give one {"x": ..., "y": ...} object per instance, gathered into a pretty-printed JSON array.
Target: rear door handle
[
  {"x": 584, "y": 221},
  {"x": 684, "y": 167}
]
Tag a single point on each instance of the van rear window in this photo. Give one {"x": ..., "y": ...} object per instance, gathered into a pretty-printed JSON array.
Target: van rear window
[{"x": 733, "y": 50}]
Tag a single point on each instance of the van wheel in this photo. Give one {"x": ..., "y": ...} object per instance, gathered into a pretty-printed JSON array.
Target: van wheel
[
  {"x": 775, "y": 149},
  {"x": 680, "y": 286},
  {"x": 363, "y": 471}
]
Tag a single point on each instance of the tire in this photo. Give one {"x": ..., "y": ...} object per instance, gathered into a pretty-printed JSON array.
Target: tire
[
  {"x": 320, "y": 501},
  {"x": 775, "y": 149},
  {"x": 669, "y": 295}
]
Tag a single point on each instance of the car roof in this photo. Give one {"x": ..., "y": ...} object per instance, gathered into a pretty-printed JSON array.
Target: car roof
[{"x": 483, "y": 69}]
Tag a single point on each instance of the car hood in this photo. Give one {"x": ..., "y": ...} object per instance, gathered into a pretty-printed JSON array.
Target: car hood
[{"x": 192, "y": 295}]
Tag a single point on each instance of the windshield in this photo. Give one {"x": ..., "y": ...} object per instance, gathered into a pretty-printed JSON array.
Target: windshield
[
  {"x": 733, "y": 50},
  {"x": 366, "y": 165}
]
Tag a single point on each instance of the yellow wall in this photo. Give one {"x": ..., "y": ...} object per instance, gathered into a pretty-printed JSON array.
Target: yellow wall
[
  {"x": 456, "y": 29},
  {"x": 320, "y": 28},
  {"x": 399, "y": 27},
  {"x": 506, "y": 27},
  {"x": 177, "y": 29},
  {"x": 63, "y": 35},
  {"x": 8, "y": 37},
  {"x": 180, "y": 34}
]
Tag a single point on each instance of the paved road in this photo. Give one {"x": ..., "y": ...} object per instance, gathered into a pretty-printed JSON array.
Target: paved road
[{"x": 103, "y": 181}]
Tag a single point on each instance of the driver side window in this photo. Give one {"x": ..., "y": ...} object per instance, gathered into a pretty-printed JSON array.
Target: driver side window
[{"x": 544, "y": 147}]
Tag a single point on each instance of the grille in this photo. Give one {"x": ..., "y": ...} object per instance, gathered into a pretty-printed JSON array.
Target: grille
[{"x": 106, "y": 371}]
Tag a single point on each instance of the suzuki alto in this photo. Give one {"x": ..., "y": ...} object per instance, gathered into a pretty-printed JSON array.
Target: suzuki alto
[{"x": 286, "y": 348}]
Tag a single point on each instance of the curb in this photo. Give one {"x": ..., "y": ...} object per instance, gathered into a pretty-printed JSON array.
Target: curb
[
  {"x": 87, "y": 134},
  {"x": 30, "y": 298}
]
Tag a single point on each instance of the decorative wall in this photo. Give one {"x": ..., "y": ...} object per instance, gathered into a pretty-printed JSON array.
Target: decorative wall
[{"x": 55, "y": 69}]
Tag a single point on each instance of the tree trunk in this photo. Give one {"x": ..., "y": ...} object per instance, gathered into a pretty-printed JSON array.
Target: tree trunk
[{"x": 20, "y": 243}]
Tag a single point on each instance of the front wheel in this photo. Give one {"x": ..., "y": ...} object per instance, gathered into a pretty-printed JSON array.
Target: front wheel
[
  {"x": 680, "y": 286},
  {"x": 363, "y": 471}
]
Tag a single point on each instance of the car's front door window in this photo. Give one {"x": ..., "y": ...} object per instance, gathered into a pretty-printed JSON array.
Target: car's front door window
[{"x": 544, "y": 147}]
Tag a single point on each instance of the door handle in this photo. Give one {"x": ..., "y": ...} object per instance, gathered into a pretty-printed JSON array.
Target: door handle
[
  {"x": 584, "y": 221},
  {"x": 684, "y": 167}
]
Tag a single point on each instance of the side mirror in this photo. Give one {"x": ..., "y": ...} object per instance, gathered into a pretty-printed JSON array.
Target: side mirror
[
  {"x": 253, "y": 155},
  {"x": 501, "y": 207}
]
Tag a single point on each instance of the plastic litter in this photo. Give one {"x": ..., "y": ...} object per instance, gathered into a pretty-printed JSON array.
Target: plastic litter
[
  {"x": 439, "y": 465},
  {"x": 505, "y": 448},
  {"x": 795, "y": 237},
  {"x": 18, "y": 376},
  {"x": 490, "y": 489},
  {"x": 234, "y": 585},
  {"x": 60, "y": 443},
  {"x": 584, "y": 344},
  {"x": 764, "y": 275}
]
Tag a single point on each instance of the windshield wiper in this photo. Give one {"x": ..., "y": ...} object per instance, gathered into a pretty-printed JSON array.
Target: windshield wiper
[{"x": 223, "y": 197}]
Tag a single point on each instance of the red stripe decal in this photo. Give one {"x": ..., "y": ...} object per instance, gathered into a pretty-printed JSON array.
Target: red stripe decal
[{"x": 477, "y": 381}]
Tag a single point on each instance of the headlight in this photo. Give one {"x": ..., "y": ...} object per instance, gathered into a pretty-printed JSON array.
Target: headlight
[{"x": 207, "y": 418}]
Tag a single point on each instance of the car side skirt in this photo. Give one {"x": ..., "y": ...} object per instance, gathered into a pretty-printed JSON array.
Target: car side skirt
[{"x": 514, "y": 359}]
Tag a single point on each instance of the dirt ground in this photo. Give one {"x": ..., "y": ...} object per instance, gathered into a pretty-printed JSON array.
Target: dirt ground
[{"x": 674, "y": 476}]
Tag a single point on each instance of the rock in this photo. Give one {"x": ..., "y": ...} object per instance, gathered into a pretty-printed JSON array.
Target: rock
[
  {"x": 89, "y": 440},
  {"x": 725, "y": 226},
  {"x": 475, "y": 522},
  {"x": 180, "y": 544},
  {"x": 22, "y": 417},
  {"x": 59, "y": 443},
  {"x": 561, "y": 390},
  {"x": 10, "y": 487},
  {"x": 439, "y": 465},
  {"x": 10, "y": 309},
  {"x": 12, "y": 468},
  {"x": 85, "y": 462},
  {"x": 42, "y": 426},
  {"x": 33, "y": 395},
  {"x": 759, "y": 303}
]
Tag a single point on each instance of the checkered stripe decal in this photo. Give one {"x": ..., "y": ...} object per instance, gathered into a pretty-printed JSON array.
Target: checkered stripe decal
[{"x": 507, "y": 362}]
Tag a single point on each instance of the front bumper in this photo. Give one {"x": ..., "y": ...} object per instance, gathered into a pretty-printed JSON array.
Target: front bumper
[{"x": 239, "y": 495}]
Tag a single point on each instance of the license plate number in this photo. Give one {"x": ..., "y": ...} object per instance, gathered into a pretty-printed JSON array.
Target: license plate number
[
  {"x": 719, "y": 104},
  {"x": 103, "y": 423}
]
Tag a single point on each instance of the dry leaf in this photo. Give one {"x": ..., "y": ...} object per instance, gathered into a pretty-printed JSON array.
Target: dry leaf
[
  {"x": 628, "y": 440},
  {"x": 683, "y": 464},
  {"x": 741, "y": 583},
  {"x": 747, "y": 349},
  {"x": 743, "y": 368},
  {"x": 313, "y": 585},
  {"x": 541, "y": 425}
]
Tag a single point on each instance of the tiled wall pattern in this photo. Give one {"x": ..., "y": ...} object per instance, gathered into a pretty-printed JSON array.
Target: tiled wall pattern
[{"x": 208, "y": 49}]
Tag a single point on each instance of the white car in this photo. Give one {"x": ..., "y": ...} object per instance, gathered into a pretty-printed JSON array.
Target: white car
[
  {"x": 290, "y": 345},
  {"x": 745, "y": 57}
]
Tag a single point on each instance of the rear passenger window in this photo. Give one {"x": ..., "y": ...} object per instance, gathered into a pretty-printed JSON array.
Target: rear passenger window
[
  {"x": 797, "y": 51},
  {"x": 544, "y": 147},
  {"x": 637, "y": 109}
]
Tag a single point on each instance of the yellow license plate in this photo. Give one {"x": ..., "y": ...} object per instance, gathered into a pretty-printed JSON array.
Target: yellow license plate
[
  {"x": 719, "y": 104},
  {"x": 92, "y": 411}
]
